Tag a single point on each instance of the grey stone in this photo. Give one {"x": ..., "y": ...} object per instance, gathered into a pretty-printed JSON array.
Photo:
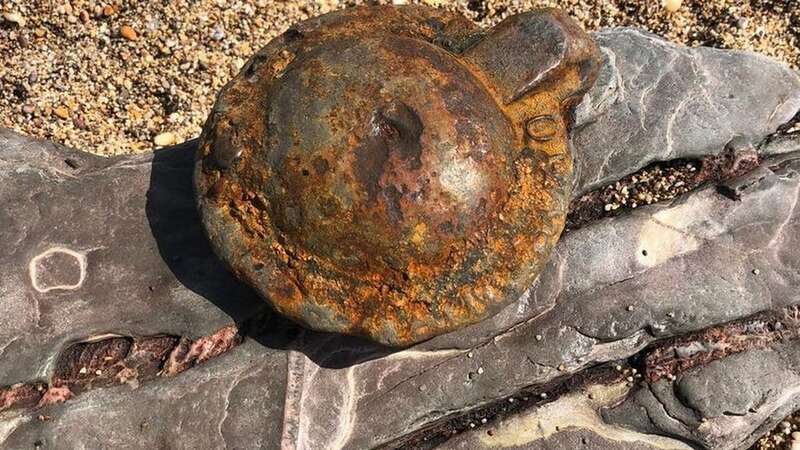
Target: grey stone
[
  {"x": 215, "y": 405},
  {"x": 128, "y": 233},
  {"x": 726, "y": 404},
  {"x": 149, "y": 271},
  {"x": 656, "y": 101}
]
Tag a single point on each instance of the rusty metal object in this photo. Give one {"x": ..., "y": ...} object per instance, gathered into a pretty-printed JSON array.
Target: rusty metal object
[{"x": 395, "y": 172}]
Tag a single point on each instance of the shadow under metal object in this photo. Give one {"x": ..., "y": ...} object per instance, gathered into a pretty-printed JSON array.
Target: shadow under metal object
[{"x": 395, "y": 172}]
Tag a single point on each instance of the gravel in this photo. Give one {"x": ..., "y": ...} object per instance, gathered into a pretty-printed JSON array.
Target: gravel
[
  {"x": 785, "y": 436},
  {"x": 111, "y": 78}
]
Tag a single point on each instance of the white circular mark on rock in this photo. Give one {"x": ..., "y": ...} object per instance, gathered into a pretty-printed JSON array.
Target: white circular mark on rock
[{"x": 57, "y": 268}]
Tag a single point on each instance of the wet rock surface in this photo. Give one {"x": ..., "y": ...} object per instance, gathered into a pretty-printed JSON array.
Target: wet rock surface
[{"x": 615, "y": 289}]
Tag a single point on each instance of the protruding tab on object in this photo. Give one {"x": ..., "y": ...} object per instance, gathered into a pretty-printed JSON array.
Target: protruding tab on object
[{"x": 526, "y": 51}]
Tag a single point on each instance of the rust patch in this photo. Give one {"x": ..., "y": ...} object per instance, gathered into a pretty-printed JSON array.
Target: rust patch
[{"x": 55, "y": 396}]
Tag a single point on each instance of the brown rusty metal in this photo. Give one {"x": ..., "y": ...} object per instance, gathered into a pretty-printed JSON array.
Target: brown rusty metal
[{"x": 395, "y": 172}]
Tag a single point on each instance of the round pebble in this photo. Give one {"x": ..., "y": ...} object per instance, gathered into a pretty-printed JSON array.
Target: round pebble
[
  {"x": 672, "y": 5},
  {"x": 128, "y": 33},
  {"x": 164, "y": 139},
  {"x": 14, "y": 18}
]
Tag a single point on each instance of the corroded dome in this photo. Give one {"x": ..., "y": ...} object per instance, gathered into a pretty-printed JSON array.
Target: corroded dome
[{"x": 395, "y": 172}]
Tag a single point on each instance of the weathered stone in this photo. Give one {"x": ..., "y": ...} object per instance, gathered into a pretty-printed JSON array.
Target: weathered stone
[
  {"x": 367, "y": 177},
  {"x": 98, "y": 245},
  {"x": 215, "y": 405},
  {"x": 655, "y": 101},
  {"x": 331, "y": 391}
]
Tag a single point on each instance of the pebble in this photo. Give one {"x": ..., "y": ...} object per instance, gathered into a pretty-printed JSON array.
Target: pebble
[
  {"x": 128, "y": 33},
  {"x": 61, "y": 112},
  {"x": 672, "y": 5},
  {"x": 14, "y": 18},
  {"x": 164, "y": 139},
  {"x": 28, "y": 108},
  {"x": 79, "y": 123},
  {"x": 218, "y": 34}
]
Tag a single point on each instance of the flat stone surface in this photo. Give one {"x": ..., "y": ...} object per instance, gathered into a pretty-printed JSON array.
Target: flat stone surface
[
  {"x": 98, "y": 245},
  {"x": 723, "y": 405},
  {"x": 238, "y": 404},
  {"x": 656, "y": 101},
  {"x": 126, "y": 255}
]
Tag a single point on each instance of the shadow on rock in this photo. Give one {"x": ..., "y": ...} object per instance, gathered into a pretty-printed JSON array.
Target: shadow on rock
[{"x": 182, "y": 243}]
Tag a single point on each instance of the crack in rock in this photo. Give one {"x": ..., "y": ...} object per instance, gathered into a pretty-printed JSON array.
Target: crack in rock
[
  {"x": 116, "y": 360},
  {"x": 677, "y": 355}
]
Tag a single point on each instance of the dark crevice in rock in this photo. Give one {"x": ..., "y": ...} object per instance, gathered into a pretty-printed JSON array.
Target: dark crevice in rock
[
  {"x": 666, "y": 358},
  {"x": 484, "y": 416},
  {"x": 661, "y": 181},
  {"x": 669, "y": 358},
  {"x": 790, "y": 127},
  {"x": 116, "y": 360}
]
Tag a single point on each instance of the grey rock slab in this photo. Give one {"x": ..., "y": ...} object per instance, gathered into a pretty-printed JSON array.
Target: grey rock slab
[
  {"x": 233, "y": 401},
  {"x": 574, "y": 420},
  {"x": 600, "y": 299},
  {"x": 97, "y": 245},
  {"x": 726, "y": 404},
  {"x": 657, "y": 101}
]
